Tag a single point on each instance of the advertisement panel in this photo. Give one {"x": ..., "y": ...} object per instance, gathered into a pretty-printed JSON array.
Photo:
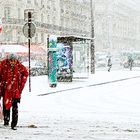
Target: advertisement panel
[{"x": 64, "y": 62}]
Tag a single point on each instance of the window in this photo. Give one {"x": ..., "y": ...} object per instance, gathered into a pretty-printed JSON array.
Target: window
[
  {"x": 53, "y": 20},
  {"x": 62, "y": 10},
  {"x": 62, "y": 22},
  {"x": 18, "y": 13},
  {"x": 28, "y": 1},
  {"x": 48, "y": 18},
  {"x": 8, "y": 36},
  {"x": 7, "y": 12},
  {"x": 18, "y": 37},
  {"x": 42, "y": 18},
  {"x": 35, "y": 2},
  {"x": 36, "y": 38},
  {"x": 42, "y": 2},
  {"x": 42, "y": 37}
]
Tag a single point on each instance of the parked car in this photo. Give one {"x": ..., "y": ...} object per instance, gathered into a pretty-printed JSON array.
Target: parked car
[
  {"x": 37, "y": 67},
  {"x": 101, "y": 62}
]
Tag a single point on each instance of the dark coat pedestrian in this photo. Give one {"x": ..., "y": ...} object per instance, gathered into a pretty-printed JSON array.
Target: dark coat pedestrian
[
  {"x": 13, "y": 76},
  {"x": 130, "y": 63},
  {"x": 109, "y": 64}
]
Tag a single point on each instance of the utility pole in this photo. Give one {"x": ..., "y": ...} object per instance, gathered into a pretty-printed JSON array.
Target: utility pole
[
  {"x": 29, "y": 30},
  {"x": 29, "y": 46},
  {"x": 92, "y": 47}
]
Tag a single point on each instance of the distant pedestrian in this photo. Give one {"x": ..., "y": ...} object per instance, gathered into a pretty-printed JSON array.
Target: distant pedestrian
[
  {"x": 109, "y": 64},
  {"x": 13, "y": 76},
  {"x": 130, "y": 63}
]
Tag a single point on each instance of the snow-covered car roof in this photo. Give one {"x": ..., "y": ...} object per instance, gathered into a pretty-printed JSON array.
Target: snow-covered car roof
[{"x": 33, "y": 64}]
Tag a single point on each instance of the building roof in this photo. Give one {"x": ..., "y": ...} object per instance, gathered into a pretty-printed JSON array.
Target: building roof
[{"x": 73, "y": 38}]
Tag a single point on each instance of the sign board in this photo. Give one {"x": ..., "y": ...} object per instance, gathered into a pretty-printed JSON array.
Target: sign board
[
  {"x": 26, "y": 11},
  {"x": 29, "y": 30}
]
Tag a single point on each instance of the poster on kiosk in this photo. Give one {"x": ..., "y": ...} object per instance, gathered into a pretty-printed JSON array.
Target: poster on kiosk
[{"x": 64, "y": 62}]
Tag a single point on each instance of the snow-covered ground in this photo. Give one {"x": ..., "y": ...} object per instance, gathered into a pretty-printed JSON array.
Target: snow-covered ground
[{"x": 107, "y": 111}]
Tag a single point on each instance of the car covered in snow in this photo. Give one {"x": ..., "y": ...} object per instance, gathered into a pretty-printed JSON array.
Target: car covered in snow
[{"x": 37, "y": 67}]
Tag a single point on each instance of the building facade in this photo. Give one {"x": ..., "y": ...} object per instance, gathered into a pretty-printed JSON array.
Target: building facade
[
  {"x": 117, "y": 25},
  {"x": 116, "y": 22},
  {"x": 59, "y": 17}
]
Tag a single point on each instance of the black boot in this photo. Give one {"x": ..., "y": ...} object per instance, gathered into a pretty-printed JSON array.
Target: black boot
[
  {"x": 6, "y": 123},
  {"x": 13, "y": 128},
  {"x": 14, "y": 114}
]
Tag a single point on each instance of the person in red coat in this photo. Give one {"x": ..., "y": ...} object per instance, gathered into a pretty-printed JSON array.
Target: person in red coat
[{"x": 13, "y": 76}]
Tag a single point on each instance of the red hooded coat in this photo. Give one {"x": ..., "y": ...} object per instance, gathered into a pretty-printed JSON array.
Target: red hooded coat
[{"x": 13, "y": 76}]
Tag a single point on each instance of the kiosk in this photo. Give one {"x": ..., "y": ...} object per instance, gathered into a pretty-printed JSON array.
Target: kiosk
[{"x": 73, "y": 57}]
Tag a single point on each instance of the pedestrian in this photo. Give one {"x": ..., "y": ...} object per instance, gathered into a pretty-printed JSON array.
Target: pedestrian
[
  {"x": 130, "y": 62},
  {"x": 109, "y": 64},
  {"x": 13, "y": 76}
]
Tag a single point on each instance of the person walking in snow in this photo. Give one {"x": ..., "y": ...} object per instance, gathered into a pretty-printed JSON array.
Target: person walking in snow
[
  {"x": 109, "y": 64},
  {"x": 130, "y": 62},
  {"x": 13, "y": 76}
]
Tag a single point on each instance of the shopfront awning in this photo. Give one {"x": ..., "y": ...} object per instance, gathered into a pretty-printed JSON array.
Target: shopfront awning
[
  {"x": 16, "y": 49},
  {"x": 36, "y": 49}
]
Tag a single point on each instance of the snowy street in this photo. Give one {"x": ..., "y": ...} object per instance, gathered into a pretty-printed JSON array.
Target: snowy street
[
  {"x": 110, "y": 111},
  {"x": 69, "y": 69}
]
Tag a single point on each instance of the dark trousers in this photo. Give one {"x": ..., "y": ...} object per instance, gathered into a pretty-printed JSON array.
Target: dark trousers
[
  {"x": 109, "y": 67},
  {"x": 6, "y": 113}
]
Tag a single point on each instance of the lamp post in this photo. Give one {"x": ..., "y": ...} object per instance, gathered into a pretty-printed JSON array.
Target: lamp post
[{"x": 92, "y": 47}]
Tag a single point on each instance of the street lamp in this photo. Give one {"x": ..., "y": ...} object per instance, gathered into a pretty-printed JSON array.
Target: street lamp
[{"x": 92, "y": 48}]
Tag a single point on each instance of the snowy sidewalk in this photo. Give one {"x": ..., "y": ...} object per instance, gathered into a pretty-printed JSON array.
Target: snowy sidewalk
[
  {"x": 100, "y": 77},
  {"x": 108, "y": 113}
]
